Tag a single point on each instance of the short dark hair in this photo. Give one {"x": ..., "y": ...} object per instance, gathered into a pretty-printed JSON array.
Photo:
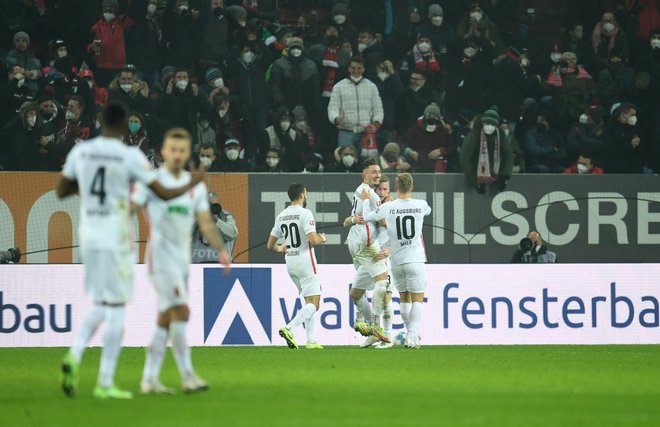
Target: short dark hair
[
  {"x": 296, "y": 190},
  {"x": 114, "y": 116},
  {"x": 79, "y": 99},
  {"x": 182, "y": 70},
  {"x": 625, "y": 107},
  {"x": 207, "y": 146},
  {"x": 371, "y": 161},
  {"x": 358, "y": 60}
]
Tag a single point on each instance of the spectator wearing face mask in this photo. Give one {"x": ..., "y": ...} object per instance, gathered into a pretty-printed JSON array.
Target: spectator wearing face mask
[
  {"x": 414, "y": 99},
  {"x": 273, "y": 162},
  {"x": 72, "y": 128},
  {"x": 390, "y": 90},
  {"x": 23, "y": 142},
  {"x": 575, "y": 41},
  {"x": 545, "y": 147},
  {"x": 477, "y": 25},
  {"x": 60, "y": 55},
  {"x": 130, "y": 91},
  {"x": 345, "y": 160},
  {"x": 278, "y": 135},
  {"x": 231, "y": 160},
  {"x": 182, "y": 102},
  {"x": 49, "y": 113},
  {"x": 646, "y": 16},
  {"x": 438, "y": 30},
  {"x": 100, "y": 94},
  {"x": 470, "y": 71},
  {"x": 391, "y": 160},
  {"x": 228, "y": 120},
  {"x": 137, "y": 132},
  {"x": 347, "y": 30},
  {"x": 207, "y": 158},
  {"x": 13, "y": 93},
  {"x": 214, "y": 44},
  {"x": 294, "y": 80},
  {"x": 586, "y": 135},
  {"x": 236, "y": 23},
  {"x": 371, "y": 50},
  {"x": 424, "y": 57},
  {"x": 304, "y": 141},
  {"x": 108, "y": 43},
  {"x": 540, "y": 20},
  {"x": 214, "y": 84},
  {"x": 608, "y": 36},
  {"x": 584, "y": 166},
  {"x": 22, "y": 56},
  {"x": 181, "y": 34},
  {"x": 428, "y": 145},
  {"x": 486, "y": 157},
  {"x": 616, "y": 81},
  {"x": 622, "y": 148},
  {"x": 143, "y": 42}
]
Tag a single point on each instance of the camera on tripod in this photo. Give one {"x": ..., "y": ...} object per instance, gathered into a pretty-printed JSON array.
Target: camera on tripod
[{"x": 10, "y": 255}]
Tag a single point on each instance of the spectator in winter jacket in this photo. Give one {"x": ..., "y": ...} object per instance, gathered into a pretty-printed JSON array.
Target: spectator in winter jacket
[
  {"x": 586, "y": 135},
  {"x": 181, "y": 34},
  {"x": 647, "y": 79},
  {"x": 577, "y": 42},
  {"x": 486, "y": 156},
  {"x": 273, "y": 162},
  {"x": 414, "y": 100},
  {"x": 229, "y": 122},
  {"x": 231, "y": 160},
  {"x": 584, "y": 166},
  {"x": 182, "y": 102},
  {"x": 13, "y": 93},
  {"x": 617, "y": 81},
  {"x": 108, "y": 46},
  {"x": 345, "y": 160},
  {"x": 390, "y": 90},
  {"x": 143, "y": 42},
  {"x": 646, "y": 14},
  {"x": 99, "y": 93},
  {"x": 130, "y": 91},
  {"x": 542, "y": 20},
  {"x": 545, "y": 147},
  {"x": 608, "y": 36},
  {"x": 623, "y": 153},
  {"x": 347, "y": 30},
  {"x": 477, "y": 25},
  {"x": 423, "y": 57},
  {"x": 294, "y": 80},
  {"x": 428, "y": 146},
  {"x": 438, "y": 30},
  {"x": 371, "y": 50},
  {"x": 355, "y": 107},
  {"x": 22, "y": 56},
  {"x": 24, "y": 144},
  {"x": 137, "y": 132},
  {"x": 49, "y": 113},
  {"x": 214, "y": 45},
  {"x": 208, "y": 158},
  {"x": 72, "y": 128}
]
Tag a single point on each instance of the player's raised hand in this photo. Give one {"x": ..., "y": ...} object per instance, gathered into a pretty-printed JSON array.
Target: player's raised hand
[
  {"x": 197, "y": 173},
  {"x": 283, "y": 249},
  {"x": 382, "y": 254},
  {"x": 365, "y": 195},
  {"x": 225, "y": 260}
]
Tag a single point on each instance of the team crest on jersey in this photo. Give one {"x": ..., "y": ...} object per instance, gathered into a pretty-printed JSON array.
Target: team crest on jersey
[
  {"x": 311, "y": 222},
  {"x": 237, "y": 307}
]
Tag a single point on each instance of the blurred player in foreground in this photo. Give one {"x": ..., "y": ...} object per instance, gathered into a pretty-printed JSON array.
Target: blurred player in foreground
[
  {"x": 296, "y": 226},
  {"x": 405, "y": 220},
  {"x": 101, "y": 170},
  {"x": 168, "y": 258}
]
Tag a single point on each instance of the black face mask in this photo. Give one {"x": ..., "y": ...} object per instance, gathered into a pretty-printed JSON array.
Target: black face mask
[
  {"x": 332, "y": 40},
  {"x": 541, "y": 127},
  {"x": 218, "y": 11}
]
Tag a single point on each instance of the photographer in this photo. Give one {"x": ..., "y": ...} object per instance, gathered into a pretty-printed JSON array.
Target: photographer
[
  {"x": 532, "y": 250},
  {"x": 201, "y": 250}
]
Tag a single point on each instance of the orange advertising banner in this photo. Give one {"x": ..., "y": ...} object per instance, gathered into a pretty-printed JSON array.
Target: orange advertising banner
[{"x": 44, "y": 227}]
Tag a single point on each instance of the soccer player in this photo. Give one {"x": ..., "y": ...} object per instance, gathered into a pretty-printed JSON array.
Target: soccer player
[
  {"x": 405, "y": 220},
  {"x": 383, "y": 191},
  {"x": 101, "y": 170},
  {"x": 168, "y": 257},
  {"x": 296, "y": 225},
  {"x": 369, "y": 259}
]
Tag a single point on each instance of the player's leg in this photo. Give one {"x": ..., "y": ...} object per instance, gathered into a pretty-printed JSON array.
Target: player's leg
[
  {"x": 417, "y": 276},
  {"x": 179, "y": 316},
  {"x": 155, "y": 355},
  {"x": 361, "y": 283},
  {"x": 379, "y": 272},
  {"x": 310, "y": 323},
  {"x": 388, "y": 313}
]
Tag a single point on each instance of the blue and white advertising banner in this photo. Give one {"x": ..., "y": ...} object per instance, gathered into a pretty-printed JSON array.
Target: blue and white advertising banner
[{"x": 43, "y": 305}]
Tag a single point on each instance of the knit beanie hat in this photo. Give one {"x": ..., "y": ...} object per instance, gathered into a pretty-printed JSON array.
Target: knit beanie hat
[
  {"x": 22, "y": 35},
  {"x": 392, "y": 147},
  {"x": 237, "y": 12},
  {"x": 294, "y": 41},
  {"x": 491, "y": 116},
  {"x": 339, "y": 9},
  {"x": 435, "y": 9},
  {"x": 432, "y": 111},
  {"x": 213, "y": 73}
]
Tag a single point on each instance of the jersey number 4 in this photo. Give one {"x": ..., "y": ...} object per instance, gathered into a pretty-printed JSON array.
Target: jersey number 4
[
  {"x": 405, "y": 227},
  {"x": 292, "y": 230},
  {"x": 98, "y": 185}
]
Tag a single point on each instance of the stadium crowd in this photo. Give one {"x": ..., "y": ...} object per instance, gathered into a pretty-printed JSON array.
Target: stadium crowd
[{"x": 487, "y": 88}]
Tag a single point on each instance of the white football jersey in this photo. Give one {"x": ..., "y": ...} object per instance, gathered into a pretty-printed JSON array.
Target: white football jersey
[
  {"x": 364, "y": 232},
  {"x": 293, "y": 224},
  {"x": 104, "y": 169},
  {"x": 405, "y": 220},
  {"x": 171, "y": 222}
]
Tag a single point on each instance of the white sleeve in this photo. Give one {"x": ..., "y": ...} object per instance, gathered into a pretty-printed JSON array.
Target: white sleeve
[
  {"x": 427, "y": 209},
  {"x": 201, "y": 198},
  {"x": 309, "y": 226},
  {"x": 370, "y": 216},
  {"x": 140, "y": 194},
  {"x": 334, "y": 105},
  {"x": 277, "y": 231},
  {"x": 139, "y": 168},
  {"x": 69, "y": 169}
]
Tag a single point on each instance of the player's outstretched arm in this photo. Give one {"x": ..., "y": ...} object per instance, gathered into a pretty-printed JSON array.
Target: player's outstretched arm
[
  {"x": 349, "y": 221},
  {"x": 316, "y": 239},
  {"x": 197, "y": 174},
  {"x": 210, "y": 233},
  {"x": 66, "y": 187}
]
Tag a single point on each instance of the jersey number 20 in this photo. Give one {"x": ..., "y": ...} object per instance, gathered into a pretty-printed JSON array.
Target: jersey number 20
[{"x": 292, "y": 230}]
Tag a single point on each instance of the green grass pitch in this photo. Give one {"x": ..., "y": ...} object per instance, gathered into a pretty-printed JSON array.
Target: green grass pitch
[{"x": 556, "y": 386}]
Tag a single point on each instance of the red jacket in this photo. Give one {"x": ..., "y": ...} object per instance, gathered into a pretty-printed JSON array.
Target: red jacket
[
  {"x": 595, "y": 171},
  {"x": 100, "y": 95},
  {"x": 111, "y": 34}
]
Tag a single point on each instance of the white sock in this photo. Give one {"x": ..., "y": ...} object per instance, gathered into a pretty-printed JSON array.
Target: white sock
[
  {"x": 378, "y": 301},
  {"x": 309, "y": 328},
  {"x": 92, "y": 321},
  {"x": 364, "y": 308},
  {"x": 180, "y": 348},
  {"x": 387, "y": 319},
  {"x": 155, "y": 354},
  {"x": 404, "y": 309},
  {"x": 305, "y": 313},
  {"x": 114, "y": 331},
  {"x": 416, "y": 313}
]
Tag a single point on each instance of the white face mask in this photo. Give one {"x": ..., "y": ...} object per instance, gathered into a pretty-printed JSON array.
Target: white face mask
[
  {"x": 584, "y": 118},
  {"x": 69, "y": 115},
  {"x": 285, "y": 125},
  {"x": 424, "y": 47},
  {"x": 470, "y": 52},
  {"x": 206, "y": 161},
  {"x": 437, "y": 21},
  {"x": 382, "y": 75},
  {"x": 431, "y": 128},
  {"x": 632, "y": 120},
  {"x": 655, "y": 44},
  {"x": 219, "y": 83},
  {"x": 582, "y": 168},
  {"x": 223, "y": 113},
  {"x": 340, "y": 19},
  {"x": 301, "y": 125},
  {"x": 489, "y": 129},
  {"x": 295, "y": 52},
  {"x": 151, "y": 8},
  {"x": 608, "y": 27},
  {"x": 126, "y": 87},
  {"x": 232, "y": 154},
  {"x": 361, "y": 47},
  {"x": 476, "y": 16},
  {"x": 348, "y": 161},
  {"x": 62, "y": 53},
  {"x": 555, "y": 57},
  {"x": 90, "y": 83},
  {"x": 242, "y": 23},
  {"x": 108, "y": 16},
  {"x": 31, "y": 121},
  {"x": 272, "y": 161},
  {"x": 182, "y": 84},
  {"x": 524, "y": 62},
  {"x": 97, "y": 125},
  {"x": 356, "y": 79},
  {"x": 183, "y": 7}
]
